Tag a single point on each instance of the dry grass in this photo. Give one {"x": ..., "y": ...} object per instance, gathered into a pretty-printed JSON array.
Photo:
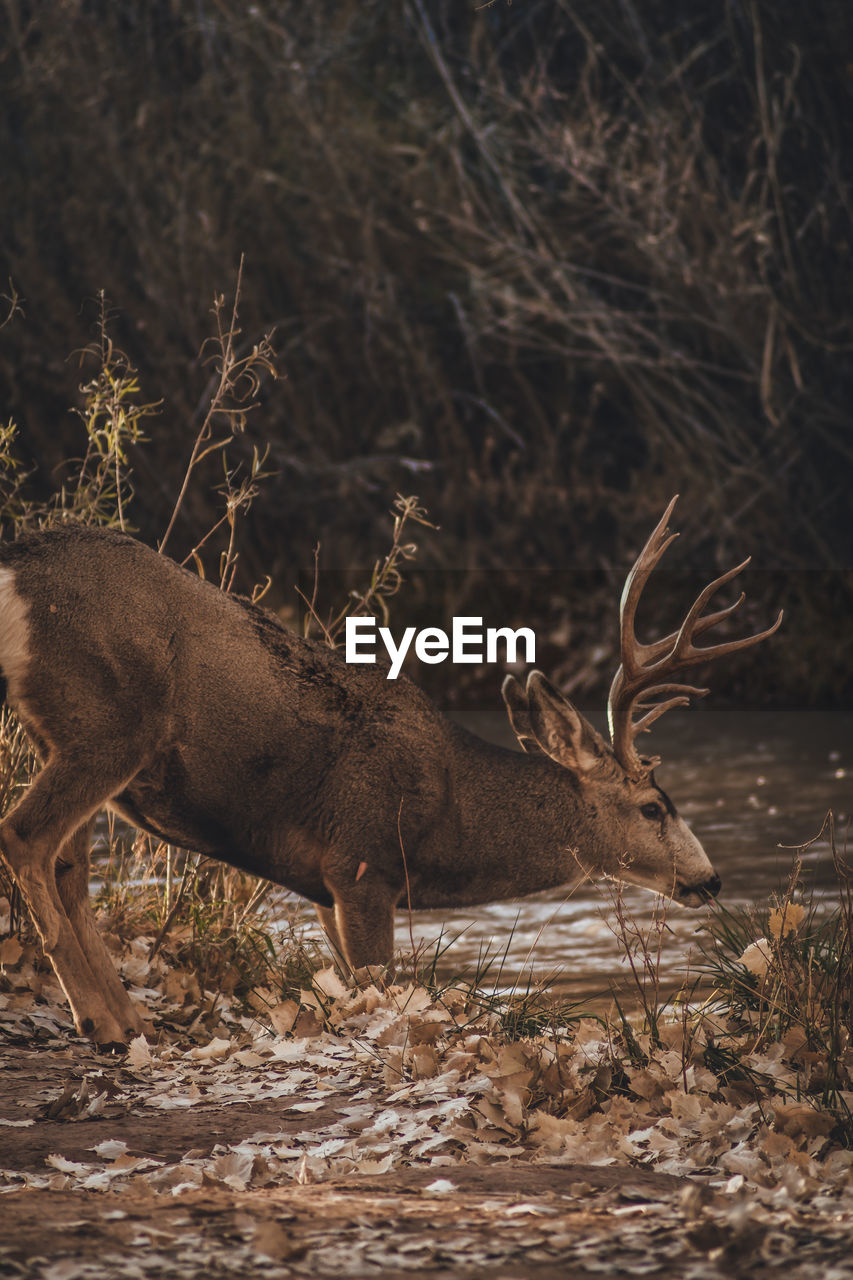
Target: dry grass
[{"x": 556, "y": 261}]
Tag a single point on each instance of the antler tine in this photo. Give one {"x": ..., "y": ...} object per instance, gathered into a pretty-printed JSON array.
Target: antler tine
[
  {"x": 658, "y": 647},
  {"x": 655, "y": 709},
  {"x": 685, "y": 653},
  {"x": 635, "y": 583},
  {"x": 644, "y": 668},
  {"x": 646, "y": 697},
  {"x": 679, "y": 648},
  {"x": 690, "y": 626},
  {"x": 692, "y": 654},
  {"x": 629, "y": 679}
]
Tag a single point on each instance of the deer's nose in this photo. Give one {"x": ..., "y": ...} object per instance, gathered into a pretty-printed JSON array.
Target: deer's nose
[{"x": 712, "y": 887}]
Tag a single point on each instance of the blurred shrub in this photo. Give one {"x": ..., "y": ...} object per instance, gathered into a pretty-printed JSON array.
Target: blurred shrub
[{"x": 546, "y": 263}]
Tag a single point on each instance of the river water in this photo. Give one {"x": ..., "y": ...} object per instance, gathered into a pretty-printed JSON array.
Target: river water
[{"x": 753, "y": 785}]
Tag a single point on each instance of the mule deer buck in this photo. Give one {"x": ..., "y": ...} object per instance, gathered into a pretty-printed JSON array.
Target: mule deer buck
[{"x": 200, "y": 719}]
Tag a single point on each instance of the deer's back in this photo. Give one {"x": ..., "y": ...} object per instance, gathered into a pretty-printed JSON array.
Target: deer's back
[
  {"x": 112, "y": 625},
  {"x": 227, "y": 713}
]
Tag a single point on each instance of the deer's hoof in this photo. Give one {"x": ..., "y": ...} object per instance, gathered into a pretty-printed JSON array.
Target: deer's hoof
[{"x": 105, "y": 1032}]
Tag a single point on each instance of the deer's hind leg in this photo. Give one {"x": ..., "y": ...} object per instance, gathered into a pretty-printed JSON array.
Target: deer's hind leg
[
  {"x": 64, "y": 797},
  {"x": 72, "y": 880}
]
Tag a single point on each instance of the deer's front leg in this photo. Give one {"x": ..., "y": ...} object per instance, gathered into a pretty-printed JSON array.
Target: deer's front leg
[
  {"x": 361, "y": 925},
  {"x": 326, "y": 916}
]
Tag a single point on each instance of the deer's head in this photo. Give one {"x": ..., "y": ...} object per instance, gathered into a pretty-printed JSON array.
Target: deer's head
[{"x": 634, "y": 831}]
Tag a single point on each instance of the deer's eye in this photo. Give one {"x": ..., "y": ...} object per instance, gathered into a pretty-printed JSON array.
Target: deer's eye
[{"x": 652, "y": 811}]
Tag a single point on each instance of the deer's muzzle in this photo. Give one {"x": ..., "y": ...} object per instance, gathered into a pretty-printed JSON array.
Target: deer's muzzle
[{"x": 695, "y": 895}]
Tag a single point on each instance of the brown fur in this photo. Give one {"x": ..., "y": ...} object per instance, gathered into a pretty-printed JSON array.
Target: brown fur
[{"x": 200, "y": 718}]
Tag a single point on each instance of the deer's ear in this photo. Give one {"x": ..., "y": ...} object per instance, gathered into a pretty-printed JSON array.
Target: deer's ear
[
  {"x": 519, "y": 716},
  {"x": 560, "y": 730}
]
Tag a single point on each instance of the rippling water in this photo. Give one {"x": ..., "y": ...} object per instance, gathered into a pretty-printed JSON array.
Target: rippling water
[{"x": 750, "y": 784}]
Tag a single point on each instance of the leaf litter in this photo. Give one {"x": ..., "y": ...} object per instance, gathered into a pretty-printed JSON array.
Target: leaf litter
[{"x": 411, "y": 1094}]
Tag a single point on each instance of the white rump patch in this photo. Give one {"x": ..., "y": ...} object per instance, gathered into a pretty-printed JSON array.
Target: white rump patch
[{"x": 14, "y": 634}]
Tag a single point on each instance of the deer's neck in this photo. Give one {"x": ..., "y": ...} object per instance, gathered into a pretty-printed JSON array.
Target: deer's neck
[{"x": 512, "y": 823}]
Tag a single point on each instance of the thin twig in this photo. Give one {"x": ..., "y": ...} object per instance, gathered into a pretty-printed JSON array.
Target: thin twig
[{"x": 408, "y": 890}]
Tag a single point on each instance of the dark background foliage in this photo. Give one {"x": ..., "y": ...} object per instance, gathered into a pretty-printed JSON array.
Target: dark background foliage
[{"x": 543, "y": 263}]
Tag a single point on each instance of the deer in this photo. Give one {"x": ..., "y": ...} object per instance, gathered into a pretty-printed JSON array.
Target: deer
[{"x": 199, "y": 718}]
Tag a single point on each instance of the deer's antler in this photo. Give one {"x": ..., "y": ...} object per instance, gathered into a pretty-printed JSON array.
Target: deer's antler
[{"x": 643, "y": 681}]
